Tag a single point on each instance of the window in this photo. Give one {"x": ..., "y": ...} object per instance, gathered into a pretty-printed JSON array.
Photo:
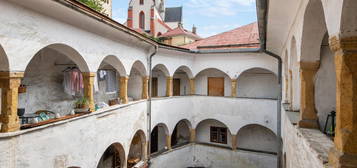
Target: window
[
  {"x": 142, "y": 20},
  {"x": 218, "y": 135},
  {"x": 141, "y": 2}
]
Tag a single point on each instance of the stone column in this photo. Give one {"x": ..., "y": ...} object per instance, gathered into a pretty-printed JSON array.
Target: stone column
[
  {"x": 169, "y": 86},
  {"x": 234, "y": 142},
  {"x": 88, "y": 82},
  {"x": 9, "y": 84},
  {"x": 308, "y": 115},
  {"x": 168, "y": 142},
  {"x": 344, "y": 154},
  {"x": 192, "y": 86},
  {"x": 234, "y": 88},
  {"x": 192, "y": 135},
  {"x": 124, "y": 89},
  {"x": 145, "y": 94}
]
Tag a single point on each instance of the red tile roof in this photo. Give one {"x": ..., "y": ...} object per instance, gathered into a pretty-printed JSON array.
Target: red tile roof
[
  {"x": 180, "y": 31},
  {"x": 242, "y": 37}
]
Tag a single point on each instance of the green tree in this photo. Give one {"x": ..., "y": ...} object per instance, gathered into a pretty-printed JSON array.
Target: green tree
[{"x": 94, "y": 4}]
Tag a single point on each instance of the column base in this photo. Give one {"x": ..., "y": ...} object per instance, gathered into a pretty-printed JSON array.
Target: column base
[
  {"x": 10, "y": 127},
  {"x": 313, "y": 124},
  {"x": 339, "y": 159}
]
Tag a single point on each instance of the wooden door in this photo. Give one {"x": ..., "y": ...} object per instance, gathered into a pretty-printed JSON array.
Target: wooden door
[
  {"x": 177, "y": 87},
  {"x": 215, "y": 86},
  {"x": 154, "y": 89}
]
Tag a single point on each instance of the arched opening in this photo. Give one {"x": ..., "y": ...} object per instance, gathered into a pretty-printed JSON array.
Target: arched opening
[
  {"x": 214, "y": 132},
  {"x": 135, "y": 82},
  {"x": 159, "y": 138},
  {"x": 113, "y": 157},
  {"x": 181, "y": 81},
  {"x": 257, "y": 138},
  {"x": 325, "y": 84},
  {"x": 159, "y": 78},
  {"x": 142, "y": 20},
  {"x": 258, "y": 83},
  {"x": 159, "y": 34},
  {"x": 137, "y": 149},
  {"x": 181, "y": 134},
  {"x": 213, "y": 82},
  {"x": 53, "y": 84},
  {"x": 107, "y": 83},
  {"x": 4, "y": 62},
  {"x": 295, "y": 77}
]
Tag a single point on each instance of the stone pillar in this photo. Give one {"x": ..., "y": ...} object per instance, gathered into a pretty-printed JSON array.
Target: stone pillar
[
  {"x": 124, "y": 89},
  {"x": 169, "y": 86},
  {"x": 88, "y": 82},
  {"x": 9, "y": 84},
  {"x": 145, "y": 94},
  {"x": 234, "y": 88},
  {"x": 168, "y": 142},
  {"x": 192, "y": 135},
  {"x": 234, "y": 142},
  {"x": 344, "y": 154},
  {"x": 192, "y": 86},
  {"x": 286, "y": 89},
  {"x": 308, "y": 115},
  {"x": 145, "y": 150}
]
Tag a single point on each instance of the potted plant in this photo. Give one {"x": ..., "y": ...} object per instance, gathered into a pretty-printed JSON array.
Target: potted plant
[{"x": 81, "y": 105}]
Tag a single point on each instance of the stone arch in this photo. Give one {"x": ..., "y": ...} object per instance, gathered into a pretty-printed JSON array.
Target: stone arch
[
  {"x": 113, "y": 156},
  {"x": 68, "y": 51},
  {"x": 256, "y": 137},
  {"x": 4, "y": 62},
  {"x": 135, "y": 81},
  {"x": 181, "y": 81},
  {"x": 115, "y": 63},
  {"x": 137, "y": 151},
  {"x": 44, "y": 76},
  {"x": 203, "y": 130},
  {"x": 160, "y": 75},
  {"x": 257, "y": 83},
  {"x": 181, "y": 133},
  {"x": 295, "y": 76},
  {"x": 202, "y": 80},
  {"x": 314, "y": 29},
  {"x": 159, "y": 138}
]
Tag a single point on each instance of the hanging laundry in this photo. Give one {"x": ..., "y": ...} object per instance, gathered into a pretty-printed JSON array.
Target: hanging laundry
[{"x": 73, "y": 82}]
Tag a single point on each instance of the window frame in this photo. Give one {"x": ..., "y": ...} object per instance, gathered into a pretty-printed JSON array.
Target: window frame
[{"x": 218, "y": 135}]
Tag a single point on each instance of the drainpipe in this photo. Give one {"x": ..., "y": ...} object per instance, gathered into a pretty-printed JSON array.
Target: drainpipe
[{"x": 149, "y": 105}]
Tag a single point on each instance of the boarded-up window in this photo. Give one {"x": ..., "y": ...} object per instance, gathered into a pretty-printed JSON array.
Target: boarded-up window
[
  {"x": 176, "y": 86},
  {"x": 218, "y": 135},
  {"x": 215, "y": 86}
]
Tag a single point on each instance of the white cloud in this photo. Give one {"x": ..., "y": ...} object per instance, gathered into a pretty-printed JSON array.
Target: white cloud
[{"x": 214, "y": 8}]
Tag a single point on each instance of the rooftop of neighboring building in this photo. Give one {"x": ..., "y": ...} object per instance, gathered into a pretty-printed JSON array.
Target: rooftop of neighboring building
[
  {"x": 181, "y": 31},
  {"x": 246, "y": 36}
]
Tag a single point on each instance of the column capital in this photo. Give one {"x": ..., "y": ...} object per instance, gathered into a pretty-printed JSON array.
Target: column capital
[
  {"x": 345, "y": 43},
  {"x": 89, "y": 74}
]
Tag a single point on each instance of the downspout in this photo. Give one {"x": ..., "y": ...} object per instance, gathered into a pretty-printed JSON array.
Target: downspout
[{"x": 149, "y": 106}]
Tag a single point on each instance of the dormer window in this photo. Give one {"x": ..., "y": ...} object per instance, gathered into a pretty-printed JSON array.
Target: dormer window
[{"x": 141, "y": 2}]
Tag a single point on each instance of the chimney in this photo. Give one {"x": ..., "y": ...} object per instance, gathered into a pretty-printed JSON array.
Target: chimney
[{"x": 194, "y": 29}]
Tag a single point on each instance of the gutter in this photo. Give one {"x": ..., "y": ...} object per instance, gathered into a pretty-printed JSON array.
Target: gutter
[{"x": 149, "y": 108}]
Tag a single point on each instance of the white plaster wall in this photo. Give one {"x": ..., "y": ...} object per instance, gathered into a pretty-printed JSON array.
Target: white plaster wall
[
  {"x": 233, "y": 112},
  {"x": 325, "y": 86},
  {"x": 76, "y": 142},
  {"x": 137, "y": 8},
  {"x": 135, "y": 85},
  {"x": 203, "y": 132},
  {"x": 201, "y": 81},
  {"x": 161, "y": 83},
  {"x": 259, "y": 84},
  {"x": 256, "y": 137},
  {"x": 207, "y": 156}
]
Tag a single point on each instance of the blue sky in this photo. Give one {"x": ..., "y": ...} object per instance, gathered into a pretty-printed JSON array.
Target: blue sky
[{"x": 209, "y": 16}]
